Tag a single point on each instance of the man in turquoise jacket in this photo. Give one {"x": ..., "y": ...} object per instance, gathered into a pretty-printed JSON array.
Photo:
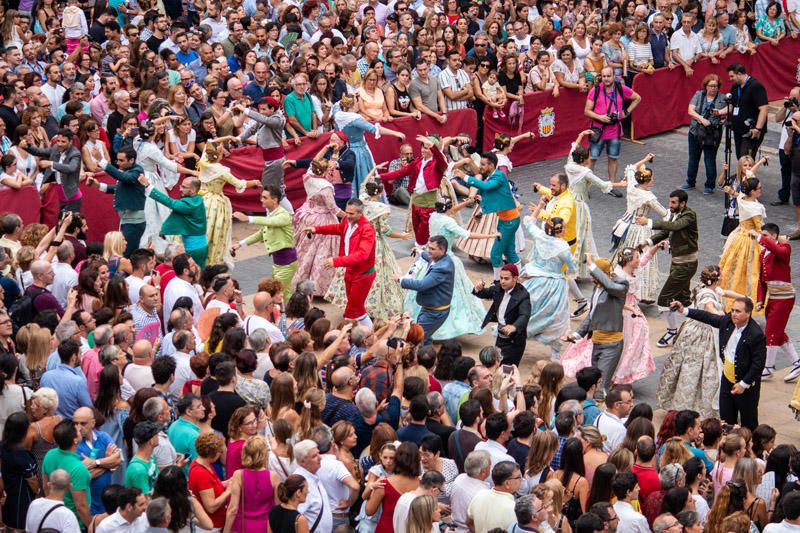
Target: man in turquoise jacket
[{"x": 188, "y": 217}]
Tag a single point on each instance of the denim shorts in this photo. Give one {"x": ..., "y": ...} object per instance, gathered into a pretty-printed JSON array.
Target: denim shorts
[{"x": 614, "y": 145}]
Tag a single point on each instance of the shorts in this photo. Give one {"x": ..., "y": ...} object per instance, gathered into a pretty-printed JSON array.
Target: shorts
[{"x": 614, "y": 146}]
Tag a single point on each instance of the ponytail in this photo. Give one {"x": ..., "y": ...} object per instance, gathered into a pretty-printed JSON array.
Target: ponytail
[{"x": 287, "y": 489}]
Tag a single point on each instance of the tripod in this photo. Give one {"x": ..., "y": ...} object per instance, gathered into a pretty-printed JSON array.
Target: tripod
[{"x": 730, "y": 219}]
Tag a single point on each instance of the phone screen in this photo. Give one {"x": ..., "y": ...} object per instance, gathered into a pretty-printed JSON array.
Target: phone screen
[{"x": 507, "y": 369}]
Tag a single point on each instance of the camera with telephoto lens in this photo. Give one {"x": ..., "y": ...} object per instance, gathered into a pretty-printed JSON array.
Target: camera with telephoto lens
[{"x": 790, "y": 103}]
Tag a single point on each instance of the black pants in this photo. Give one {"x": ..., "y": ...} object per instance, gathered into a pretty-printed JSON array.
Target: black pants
[
  {"x": 133, "y": 236},
  {"x": 74, "y": 206},
  {"x": 744, "y": 145},
  {"x": 732, "y": 407},
  {"x": 511, "y": 348},
  {"x": 786, "y": 176}
]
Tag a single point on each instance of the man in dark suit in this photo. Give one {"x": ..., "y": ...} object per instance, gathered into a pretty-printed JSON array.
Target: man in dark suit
[
  {"x": 435, "y": 290},
  {"x": 511, "y": 309},
  {"x": 743, "y": 350},
  {"x": 64, "y": 162}
]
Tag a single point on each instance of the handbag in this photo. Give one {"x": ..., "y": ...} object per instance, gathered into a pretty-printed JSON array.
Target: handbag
[{"x": 597, "y": 131}]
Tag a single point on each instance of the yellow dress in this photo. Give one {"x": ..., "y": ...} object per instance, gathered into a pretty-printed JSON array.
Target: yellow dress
[
  {"x": 740, "y": 262},
  {"x": 213, "y": 177}
]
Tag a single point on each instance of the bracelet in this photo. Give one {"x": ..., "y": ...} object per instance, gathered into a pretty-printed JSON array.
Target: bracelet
[{"x": 56, "y": 243}]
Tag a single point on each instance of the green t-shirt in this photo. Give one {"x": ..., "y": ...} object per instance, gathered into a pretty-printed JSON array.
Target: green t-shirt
[
  {"x": 302, "y": 110},
  {"x": 141, "y": 474},
  {"x": 182, "y": 435},
  {"x": 56, "y": 459}
]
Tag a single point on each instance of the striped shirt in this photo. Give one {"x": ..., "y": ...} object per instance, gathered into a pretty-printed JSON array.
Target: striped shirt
[{"x": 456, "y": 82}]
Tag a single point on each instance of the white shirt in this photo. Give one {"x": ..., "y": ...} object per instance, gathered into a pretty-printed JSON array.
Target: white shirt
[
  {"x": 332, "y": 474},
  {"x": 62, "y": 519},
  {"x": 139, "y": 376},
  {"x": 219, "y": 28},
  {"x": 116, "y": 524},
  {"x": 783, "y": 527},
  {"x": 351, "y": 228},
  {"x": 420, "y": 187},
  {"x": 687, "y": 46},
  {"x": 253, "y": 322},
  {"x": 730, "y": 349},
  {"x": 64, "y": 279},
  {"x": 316, "y": 502},
  {"x": 401, "y": 508},
  {"x": 223, "y": 307},
  {"x": 612, "y": 427},
  {"x": 164, "y": 454},
  {"x": 497, "y": 452},
  {"x": 183, "y": 372},
  {"x": 176, "y": 288},
  {"x": 55, "y": 95},
  {"x": 464, "y": 489},
  {"x": 134, "y": 284},
  {"x": 629, "y": 520},
  {"x": 501, "y": 311}
]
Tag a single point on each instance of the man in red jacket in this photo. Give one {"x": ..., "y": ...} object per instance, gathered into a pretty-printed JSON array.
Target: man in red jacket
[
  {"x": 775, "y": 286},
  {"x": 356, "y": 255}
]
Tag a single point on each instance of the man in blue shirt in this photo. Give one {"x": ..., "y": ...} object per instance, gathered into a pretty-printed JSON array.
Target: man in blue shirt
[
  {"x": 588, "y": 379},
  {"x": 184, "y": 54},
  {"x": 98, "y": 446},
  {"x": 687, "y": 428},
  {"x": 257, "y": 89},
  {"x": 416, "y": 430},
  {"x": 726, "y": 31},
  {"x": 68, "y": 380}
]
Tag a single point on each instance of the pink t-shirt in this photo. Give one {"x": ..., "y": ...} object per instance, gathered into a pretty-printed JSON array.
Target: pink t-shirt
[{"x": 606, "y": 100}]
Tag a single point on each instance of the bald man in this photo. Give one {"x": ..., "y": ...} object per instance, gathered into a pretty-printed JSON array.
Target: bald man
[
  {"x": 139, "y": 373},
  {"x": 49, "y": 512},
  {"x": 339, "y": 403},
  {"x": 146, "y": 311},
  {"x": 43, "y": 300},
  {"x": 188, "y": 217},
  {"x": 262, "y": 318},
  {"x": 99, "y": 454}
]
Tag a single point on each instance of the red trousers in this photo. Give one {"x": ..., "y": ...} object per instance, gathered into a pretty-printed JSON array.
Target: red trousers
[
  {"x": 420, "y": 217},
  {"x": 356, "y": 288},
  {"x": 777, "y": 316}
]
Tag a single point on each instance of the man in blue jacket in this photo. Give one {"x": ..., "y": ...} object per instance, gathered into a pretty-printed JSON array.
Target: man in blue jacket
[{"x": 435, "y": 290}]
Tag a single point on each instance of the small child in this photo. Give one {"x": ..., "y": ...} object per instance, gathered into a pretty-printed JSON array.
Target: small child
[
  {"x": 74, "y": 24},
  {"x": 495, "y": 93}
]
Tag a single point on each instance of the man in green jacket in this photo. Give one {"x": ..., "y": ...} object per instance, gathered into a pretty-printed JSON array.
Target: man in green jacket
[
  {"x": 277, "y": 234},
  {"x": 188, "y": 217}
]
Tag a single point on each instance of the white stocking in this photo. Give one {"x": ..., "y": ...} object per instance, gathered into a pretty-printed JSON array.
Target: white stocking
[{"x": 772, "y": 354}]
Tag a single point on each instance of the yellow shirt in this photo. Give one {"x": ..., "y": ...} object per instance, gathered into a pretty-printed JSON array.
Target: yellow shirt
[{"x": 562, "y": 206}]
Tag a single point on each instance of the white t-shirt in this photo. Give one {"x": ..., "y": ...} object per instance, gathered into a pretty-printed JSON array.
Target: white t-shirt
[
  {"x": 332, "y": 474},
  {"x": 62, "y": 519},
  {"x": 253, "y": 322},
  {"x": 139, "y": 376},
  {"x": 134, "y": 284}
]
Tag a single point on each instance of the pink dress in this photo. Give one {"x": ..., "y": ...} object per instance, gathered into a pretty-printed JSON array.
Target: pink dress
[
  {"x": 319, "y": 209},
  {"x": 233, "y": 458},
  {"x": 256, "y": 500}
]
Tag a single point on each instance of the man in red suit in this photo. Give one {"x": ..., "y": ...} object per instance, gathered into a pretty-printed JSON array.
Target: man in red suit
[
  {"x": 356, "y": 255},
  {"x": 775, "y": 286},
  {"x": 424, "y": 192}
]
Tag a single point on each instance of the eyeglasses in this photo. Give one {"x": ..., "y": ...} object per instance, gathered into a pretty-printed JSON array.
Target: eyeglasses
[
  {"x": 249, "y": 422},
  {"x": 485, "y": 65}
]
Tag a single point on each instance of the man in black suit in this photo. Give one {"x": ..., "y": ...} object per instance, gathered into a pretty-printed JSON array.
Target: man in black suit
[
  {"x": 511, "y": 309},
  {"x": 743, "y": 349}
]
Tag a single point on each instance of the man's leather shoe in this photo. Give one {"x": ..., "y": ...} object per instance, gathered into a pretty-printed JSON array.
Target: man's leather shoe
[
  {"x": 776, "y": 203},
  {"x": 794, "y": 236}
]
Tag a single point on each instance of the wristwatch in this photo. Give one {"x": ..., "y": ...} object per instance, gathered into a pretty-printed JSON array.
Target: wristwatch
[{"x": 97, "y": 463}]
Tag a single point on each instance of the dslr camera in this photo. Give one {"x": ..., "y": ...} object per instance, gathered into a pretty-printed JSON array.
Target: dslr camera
[
  {"x": 790, "y": 103},
  {"x": 614, "y": 118}
]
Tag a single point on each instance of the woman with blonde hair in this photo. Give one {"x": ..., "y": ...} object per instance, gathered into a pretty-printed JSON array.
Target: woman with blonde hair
[
  {"x": 557, "y": 519},
  {"x": 746, "y": 471},
  {"x": 253, "y": 489},
  {"x": 371, "y": 100},
  {"x": 114, "y": 245},
  {"x": 622, "y": 458},
  {"x": 39, "y": 439},
  {"x": 593, "y": 454},
  {"x": 544, "y": 446},
  {"x": 422, "y": 514},
  {"x": 35, "y": 344},
  {"x": 675, "y": 451},
  {"x": 311, "y": 417},
  {"x": 733, "y": 448}
]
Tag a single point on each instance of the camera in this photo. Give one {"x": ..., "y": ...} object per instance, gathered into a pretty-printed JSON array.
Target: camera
[
  {"x": 614, "y": 117},
  {"x": 790, "y": 103},
  {"x": 728, "y": 98}
]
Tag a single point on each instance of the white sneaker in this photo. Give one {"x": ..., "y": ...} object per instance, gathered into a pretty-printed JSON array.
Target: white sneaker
[
  {"x": 793, "y": 374},
  {"x": 767, "y": 373}
]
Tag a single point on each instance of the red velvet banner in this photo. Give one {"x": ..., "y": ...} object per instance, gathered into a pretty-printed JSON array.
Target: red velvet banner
[
  {"x": 555, "y": 122},
  {"x": 24, "y": 202}
]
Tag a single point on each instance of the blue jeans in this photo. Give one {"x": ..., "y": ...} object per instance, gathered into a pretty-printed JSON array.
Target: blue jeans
[{"x": 709, "y": 160}]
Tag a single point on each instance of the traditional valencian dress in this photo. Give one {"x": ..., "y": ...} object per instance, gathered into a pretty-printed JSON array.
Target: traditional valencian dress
[
  {"x": 740, "y": 262},
  {"x": 354, "y": 126},
  {"x": 547, "y": 285},
  {"x": 213, "y": 177},
  {"x": 319, "y": 209},
  {"x": 640, "y": 203},
  {"x": 162, "y": 173}
]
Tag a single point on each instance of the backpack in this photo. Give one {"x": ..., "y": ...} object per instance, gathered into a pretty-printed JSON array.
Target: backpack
[{"x": 23, "y": 310}]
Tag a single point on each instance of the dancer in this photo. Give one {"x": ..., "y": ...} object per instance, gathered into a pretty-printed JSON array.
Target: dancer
[
  {"x": 496, "y": 197},
  {"x": 627, "y": 234},
  {"x": 746, "y": 167},
  {"x": 187, "y": 219},
  {"x": 213, "y": 177},
  {"x": 386, "y": 297},
  {"x": 480, "y": 250},
  {"x": 268, "y": 126},
  {"x": 341, "y": 165},
  {"x": 430, "y": 166},
  {"x": 581, "y": 179},
  {"x": 604, "y": 325},
  {"x": 740, "y": 262},
  {"x": 354, "y": 126},
  {"x": 544, "y": 277},
  {"x": 161, "y": 173},
  {"x": 277, "y": 234},
  {"x": 435, "y": 289},
  {"x": 319, "y": 209},
  {"x": 468, "y": 313},
  {"x": 681, "y": 230},
  {"x": 690, "y": 377},
  {"x": 775, "y": 286},
  {"x": 511, "y": 309},
  {"x": 356, "y": 256}
]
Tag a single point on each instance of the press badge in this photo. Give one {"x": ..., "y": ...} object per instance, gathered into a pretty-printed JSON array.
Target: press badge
[{"x": 736, "y": 111}]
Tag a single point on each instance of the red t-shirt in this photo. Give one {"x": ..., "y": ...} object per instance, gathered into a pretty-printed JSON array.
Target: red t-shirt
[
  {"x": 433, "y": 384},
  {"x": 648, "y": 480},
  {"x": 202, "y": 478}
]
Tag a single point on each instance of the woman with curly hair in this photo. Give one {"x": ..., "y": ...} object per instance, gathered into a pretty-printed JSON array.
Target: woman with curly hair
[
  {"x": 204, "y": 483},
  {"x": 729, "y": 504},
  {"x": 219, "y": 329}
]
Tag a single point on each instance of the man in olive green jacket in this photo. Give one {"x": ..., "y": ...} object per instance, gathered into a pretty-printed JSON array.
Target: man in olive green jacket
[{"x": 277, "y": 234}]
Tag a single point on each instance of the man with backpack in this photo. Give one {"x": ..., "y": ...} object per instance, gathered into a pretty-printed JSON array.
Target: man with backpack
[
  {"x": 37, "y": 298},
  {"x": 49, "y": 514},
  {"x": 605, "y": 106}
]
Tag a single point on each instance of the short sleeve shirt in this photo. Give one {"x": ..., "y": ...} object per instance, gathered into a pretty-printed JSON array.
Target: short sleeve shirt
[
  {"x": 428, "y": 92},
  {"x": 57, "y": 459},
  {"x": 141, "y": 474},
  {"x": 97, "y": 450},
  {"x": 300, "y": 109},
  {"x": 609, "y": 102}
]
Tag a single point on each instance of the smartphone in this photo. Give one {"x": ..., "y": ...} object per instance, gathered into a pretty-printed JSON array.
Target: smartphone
[
  {"x": 507, "y": 369},
  {"x": 134, "y": 132}
]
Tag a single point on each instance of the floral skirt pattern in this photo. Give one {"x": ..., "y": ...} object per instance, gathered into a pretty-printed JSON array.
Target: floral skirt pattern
[
  {"x": 648, "y": 277},
  {"x": 312, "y": 253},
  {"x": 218, "y": 229},
  {"x": 740, "y": 264}
]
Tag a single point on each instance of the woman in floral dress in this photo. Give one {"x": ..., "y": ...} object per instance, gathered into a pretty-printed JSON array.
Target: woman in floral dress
[
  {"x": 386, "y": 297},
  {"x": 213, "y": 178},
  {"x": 467, "y": 312},
  {"x": 319, "y": 209},
  {"x": 690, "y": 378},
  {"x": 641, "y": 201}
]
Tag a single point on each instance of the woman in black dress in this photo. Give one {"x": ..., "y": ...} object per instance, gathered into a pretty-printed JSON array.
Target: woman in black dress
[
  {"x": 19, "y": 472},
  {"x": 285, "y": 518}
]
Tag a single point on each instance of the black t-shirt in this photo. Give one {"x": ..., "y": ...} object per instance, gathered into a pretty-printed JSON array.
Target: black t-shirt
[
  {"x": 97, "y": 33},
  {"x": 518, "y": 451},
  {"x": 748, "y": 99},
  {"x": 226, "y": 403},
  {"x": 154, "y": 42},
  {"x": 443, "y": 431},
  {"x": 208, "y": 385}
]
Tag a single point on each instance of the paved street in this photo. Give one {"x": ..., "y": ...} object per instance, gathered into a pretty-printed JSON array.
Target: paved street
[{"x": 669, "y": 167}]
